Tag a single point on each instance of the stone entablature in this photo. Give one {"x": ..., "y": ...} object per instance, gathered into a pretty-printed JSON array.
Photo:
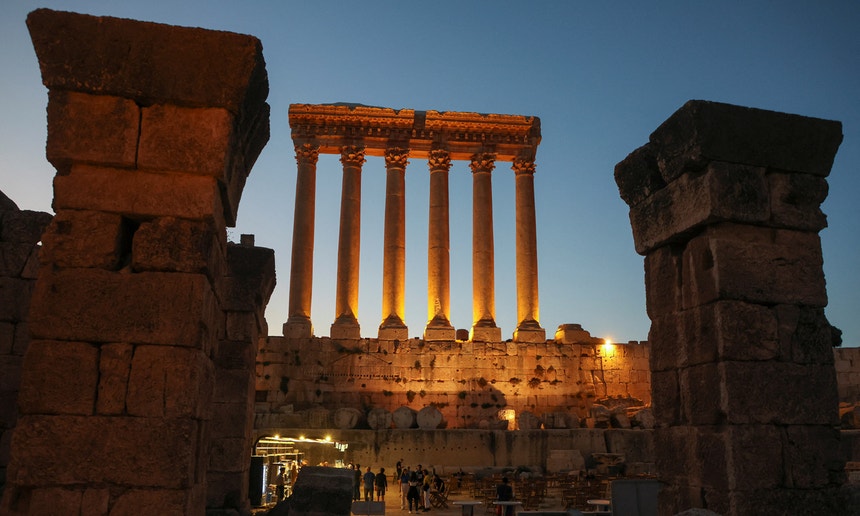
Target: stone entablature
[{"x": 462, "y": 134}]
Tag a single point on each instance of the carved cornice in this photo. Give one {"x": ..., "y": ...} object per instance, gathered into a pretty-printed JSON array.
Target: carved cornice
[
  {"x": 439, "y": 159},
  {"x": 396, "y": 157},
  {"x": 352, "y": 155},
  {"x": 377, "y": 128},
  {"x": 522, "y": 165},
  {"x": 483, "y": 162},
  {"x": 307, "y": 153}
]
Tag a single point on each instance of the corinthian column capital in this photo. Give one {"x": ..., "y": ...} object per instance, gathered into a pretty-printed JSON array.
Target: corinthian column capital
[
  {"x": 396, "y": 157},
  {"x": 307, "y": 153},
  {"x": 439, "y": 159},
  {"x": 523, "y": 165},
  {"x": 352, "y": 155},
  {"x": 483, "y": 162}
]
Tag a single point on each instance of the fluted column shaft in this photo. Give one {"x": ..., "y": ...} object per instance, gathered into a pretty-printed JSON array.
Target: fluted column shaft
[
  {"x": 349, "y": 245},
  {"x": 528, "y": 310},
  {"x": 483, "y": 254},
  {"x": 394, "y": 246},
  {"x": 302, "y": 258},
  {"x": 438, "y": 251}
]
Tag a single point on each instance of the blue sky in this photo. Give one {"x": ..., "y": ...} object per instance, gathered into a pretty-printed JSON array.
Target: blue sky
[{"x": 600, "y": 75}]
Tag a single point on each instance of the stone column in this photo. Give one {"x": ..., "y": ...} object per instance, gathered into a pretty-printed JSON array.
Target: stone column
[
  {"x": 528, "y": 311},
  {"x": 484, "y": 327},
  {"x": 299, "y": 323},
  {"x": 346, "y": 325},
  {"x": 725, "y": 206},
  {"x": 394, "y": 247},
  {"x": 119, "y": 377},
  {"x": 438, "y": 257}
]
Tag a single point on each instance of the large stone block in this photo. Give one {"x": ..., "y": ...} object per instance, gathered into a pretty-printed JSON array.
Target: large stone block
[
  {"x": 321, "y": 490},
  {"x": 782, "y": 393},
  {"x": 228, "y": 454},
  {"x": 24, "y": 226},
  {"x": 168, "y": 381},
  {"x": 666, "y": 397},
  {"x": 758, "y": 265},
  {"x": 233, "y": 385},
  {"x": 702, "y": 401},
  {"x": 155, "y": 501},
  {"x": 804, "y": 335},
  {"x": 148, "y": 62},
  {"x": 84, "y": 239},
  {"x": 85, "y": 128},
  {"x": 10, "y": 367},
  {"x": 702, "y": 131},
  {"x": 795, "y": 201},
  {"x": 812, "y": 456},
  {"x": 114, "y": 370},
  {"x": 663, "y": 281},
  {"x": 15, "y": 299},
  {"x": 186, "y": 140},
  {"x": 93, "y": 305},
  {"x": 130, "y": 451},
  {"x": 250, "y": 278},
  {"x": 169, "y": 244},
  {"x": 59, "y": 378},
  {"x": 13, "y": 258},
  {"x": 139, "y": 194},
  {"x": 722, "y": 192},
  {"x": 638, "y": 175}
]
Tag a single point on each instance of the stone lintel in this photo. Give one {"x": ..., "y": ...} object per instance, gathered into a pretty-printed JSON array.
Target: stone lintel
[{"x": 702, "y": 131}]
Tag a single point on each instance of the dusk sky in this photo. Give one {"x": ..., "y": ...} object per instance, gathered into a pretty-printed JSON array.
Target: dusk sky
[{"x": 600, "y": 75}]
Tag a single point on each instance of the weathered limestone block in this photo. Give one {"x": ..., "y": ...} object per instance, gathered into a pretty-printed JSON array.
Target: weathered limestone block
[
  {"x": 560, "y": 420},
  {"x": 723, "y": 192},
  {"x": 79, "y": 238},
  {"x": 379, "y": 419},
  {"x": 171, "y": 382},
  {"x": 59, "y": 378},
  {"x": 321, "y": 490},
  {"x": 13, "y": 258},
  {"x": 618, "y": 418},
  {"x": 644, "y": 418},
  {"x": 15, "y": 298},
  {"x": 429, "y": 418},
  {"x": 92, "y": 305},
  {"x": 526, "y": 420},
  {"x": 24, "y": 226},
  {"x": 318, "y": 417},
  {"x": 196, "y": 68},
  {"x": 175, "y": 245},
  {"x": 137, "y": 193},
  {"x": 702, "y": 131},
  {"x": 114, "y": 371},
  {"x": 84, "y": 128},
  {"x": 346, "y": 418},
  {"x": 64, "y": 451},
  {"x": 250, "y": 280},
  {"x": 663, "y": 281},
  {"x": 404, "y": 418},
  {"x": 601, "y": 416},
  {"x": 759, "y": 265},
  {"x": 160, "y": 501},
  {"x": 233, "y": 385},
  {"x": 795, "y": 200},
  {"x": 236, "y": 354},
  {"x": 233, "y": 419},
  {"x": 228, "y": 454},
  {"x": 805, "y": 335}
]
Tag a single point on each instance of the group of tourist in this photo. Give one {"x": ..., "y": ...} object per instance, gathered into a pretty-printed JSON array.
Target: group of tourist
[
  {"x": 284, "y": 479},
  {"x": 373, "y": 483},
  {"x": 417, "y": 486}
]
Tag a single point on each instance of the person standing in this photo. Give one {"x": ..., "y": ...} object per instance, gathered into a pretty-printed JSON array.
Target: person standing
[
  {"x": 412, "y": 496},
  {"x": 505, "y": 493},
  {"x": 404, "y": 487},
  {"x": 381, "y": 485},
  {"x": 369, "y": 481},
  {"x": 426, "y": 482},
  {"x": 356, "y": 483},
  {"x": 279, "y": 485}
]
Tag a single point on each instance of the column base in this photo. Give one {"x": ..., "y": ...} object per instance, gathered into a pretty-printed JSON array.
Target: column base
[
  {"x": 393, "y": 333},
  {"x": 485, "y": 334},
  {"x": 298, "y": 328},
  {"x": 530, "y": 335},
  {"x": 436, "y": 333},
  {"x": 345, "y": 328}
]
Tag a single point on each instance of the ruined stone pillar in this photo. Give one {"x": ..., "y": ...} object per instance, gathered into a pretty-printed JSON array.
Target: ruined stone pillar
[
  {"x": 484, "y": 327},
  {"x": 528, "y": 309},
  {"x": 299, "y": 323},
  {"x": 438, "y": 256},
  {"x": 152, "y": 142},
  {"x": 394, "y": 247},
  {"x": 346, "y": 325},
  {"x": 725, "y": 206},
  {"x": 244, "y": 293}
]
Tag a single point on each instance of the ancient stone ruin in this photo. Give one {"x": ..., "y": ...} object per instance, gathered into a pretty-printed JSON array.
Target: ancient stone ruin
[{"x": 136, "y": 350}]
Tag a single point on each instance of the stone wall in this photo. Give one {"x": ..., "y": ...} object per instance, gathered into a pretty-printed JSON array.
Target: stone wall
[
  {"x": 20, "y": 234},
  {"x": 304, "y": 382},
  {"x": 847, "y": 362}
]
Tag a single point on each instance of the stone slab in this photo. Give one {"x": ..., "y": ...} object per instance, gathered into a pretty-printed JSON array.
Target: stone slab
[
  {"x": 170, "y": 382},
  {"x": 81, "y": 238},
  {"x": 59, "y": 378}
]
